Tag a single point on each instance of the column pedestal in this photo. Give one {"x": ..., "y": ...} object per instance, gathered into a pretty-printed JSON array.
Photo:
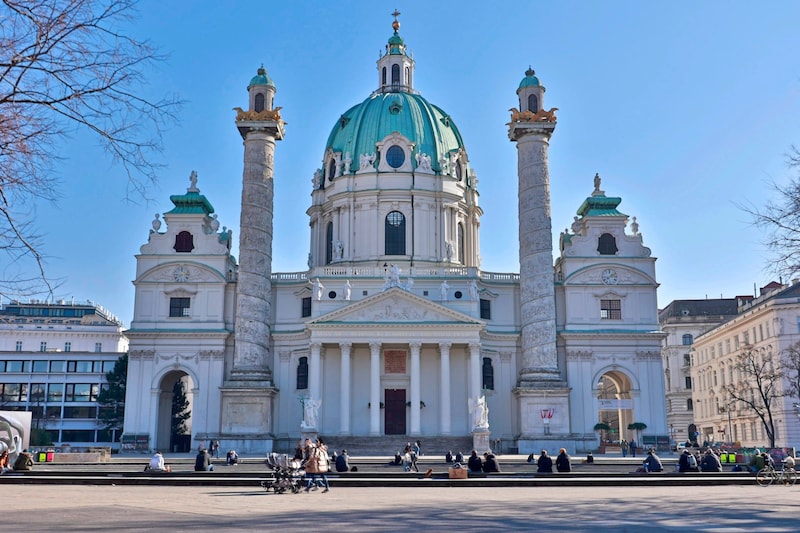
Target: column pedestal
[{"x": 480, "y": 441}]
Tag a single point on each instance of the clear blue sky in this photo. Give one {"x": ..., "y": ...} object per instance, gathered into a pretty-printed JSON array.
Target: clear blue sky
[{"x": 684, "y": 108}]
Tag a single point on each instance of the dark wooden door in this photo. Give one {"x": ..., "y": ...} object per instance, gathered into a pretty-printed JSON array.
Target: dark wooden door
[{"x": 394, "y": 412}]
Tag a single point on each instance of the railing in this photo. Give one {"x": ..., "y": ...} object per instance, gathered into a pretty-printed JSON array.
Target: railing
[{"x": 333, "y": 271}]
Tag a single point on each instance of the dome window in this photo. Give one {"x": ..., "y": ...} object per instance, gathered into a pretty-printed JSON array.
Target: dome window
[
  {"x": 259, "y": 105},
  {"x": 459, "y": 171},
  {"x": 395, "y": 74},
  {"x": 332, "y": 169},
  {"x": 395, "y": 156},
  {"x": 329, "y": 243}
]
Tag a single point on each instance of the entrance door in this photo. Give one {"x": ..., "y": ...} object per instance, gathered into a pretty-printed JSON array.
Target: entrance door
[{"x": 394, "y": 412}]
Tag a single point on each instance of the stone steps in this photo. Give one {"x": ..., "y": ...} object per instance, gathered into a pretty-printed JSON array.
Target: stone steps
[{"x": 388, "y": 445}]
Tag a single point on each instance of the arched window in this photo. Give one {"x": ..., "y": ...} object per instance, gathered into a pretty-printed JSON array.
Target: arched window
[
  {"x": 459, "y": 170},
  {"x": 461, "y": 243},
  {"x": 687, "y": 339},
  {"x": 259, "y": 102},
  {"x": 383, "y": 76},
  {"x": 329, "y": 243},
  {"x": 488, "y": 374},
  {"x": 395, "y": 74},
  {"x": 332, "y": 169},
  {"x": 607, "y": 244},
  {"x": 395, "y": 234},
  {"x": 184, "y": 242},
  {"x": 302, "y": 373},
  {"x": 407, "y": 81},
  {"x": 533, "y": 103}
]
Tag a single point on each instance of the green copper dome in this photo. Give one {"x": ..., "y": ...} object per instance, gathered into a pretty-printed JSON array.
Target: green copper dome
[
  {"x": 529, "y": 80},
  {"x": 431, "y": 130},
  {"x": 261, "y": 78}
]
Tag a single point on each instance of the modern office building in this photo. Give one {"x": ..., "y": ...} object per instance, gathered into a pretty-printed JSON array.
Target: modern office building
[{"x": 53, "y": 361}]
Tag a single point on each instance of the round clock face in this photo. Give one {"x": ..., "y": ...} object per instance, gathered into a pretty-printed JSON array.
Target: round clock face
[
  {"x": 609, "y": 277},
  {"x": 181, "y": 273}
]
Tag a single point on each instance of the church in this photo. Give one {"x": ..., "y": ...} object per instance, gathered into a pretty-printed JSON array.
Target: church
[{"x": 391, "y": 332}]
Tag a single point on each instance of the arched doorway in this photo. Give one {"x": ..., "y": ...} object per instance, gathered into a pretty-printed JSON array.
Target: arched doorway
[
  {"x": 174, "y": 427},
  {"x": 615, "y": 405}
]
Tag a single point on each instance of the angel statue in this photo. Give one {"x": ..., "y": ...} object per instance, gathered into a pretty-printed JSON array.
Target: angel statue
[
  {"x": 480, "y": 412},
  {"x": 310, "y": 413}
]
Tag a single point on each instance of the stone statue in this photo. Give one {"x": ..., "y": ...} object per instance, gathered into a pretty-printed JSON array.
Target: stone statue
[
  {"x": 443, "y": 165},
  {"x": 448, "y": 250},
  {"x": 423, "y": 161},
  {"x": 310, "y": 261},
  {"x": 409, "y": 283},
  {"x": 317, "y": 179},
  {"x": 347, "y": 161},
  {"x": 347, "y": 290},
  {"x": 156, "y": 223},
  {"x": 443, "y": 290},
  {"x": 473, "y": 290},
  {"x": 480, "y": 412},
  {"x": 214, "y": 224},
  {"x": 338, "y": 250},
  {"x": 365, "y": 161},
  {"x": 318, "y": 288},
  {"x": 576, "y": 225},
  {"x": 597, "y": 182},
  {"x": 394, "y": 276},
  {"x": 193, "y": 181},
  {"x": 310, "y": 413}
]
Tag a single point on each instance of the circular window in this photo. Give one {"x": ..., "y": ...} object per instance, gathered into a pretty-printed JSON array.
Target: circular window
[
  {"x": 395, "y": 218},
  {"x": 458, "y": 295},
  {"x": 395, "y": 156},
  {"x": 332, "y": 295}
]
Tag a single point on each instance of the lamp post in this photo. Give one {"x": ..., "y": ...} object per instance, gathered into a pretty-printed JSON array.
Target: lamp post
[{"x": 727, "y": 409}]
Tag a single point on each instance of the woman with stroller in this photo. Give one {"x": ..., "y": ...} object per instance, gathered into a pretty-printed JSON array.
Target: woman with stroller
[{"x": 316, "y": 464}]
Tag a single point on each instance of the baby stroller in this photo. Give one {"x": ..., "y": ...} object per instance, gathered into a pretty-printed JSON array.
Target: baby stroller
[{"x": 287, "y": 474}]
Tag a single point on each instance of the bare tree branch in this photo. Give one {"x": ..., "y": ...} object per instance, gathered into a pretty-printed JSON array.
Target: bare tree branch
[{"x": 67, "y": 65}]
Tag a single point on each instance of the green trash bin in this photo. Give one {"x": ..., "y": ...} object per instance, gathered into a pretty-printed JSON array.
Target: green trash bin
[{"x": 41, "y": 457}]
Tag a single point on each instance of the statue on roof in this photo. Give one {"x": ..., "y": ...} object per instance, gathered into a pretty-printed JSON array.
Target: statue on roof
[{"x": 193, "y": 181}]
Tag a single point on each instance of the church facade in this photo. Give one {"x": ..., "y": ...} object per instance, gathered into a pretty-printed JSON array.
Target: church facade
[{"x": 393, "y": 330}]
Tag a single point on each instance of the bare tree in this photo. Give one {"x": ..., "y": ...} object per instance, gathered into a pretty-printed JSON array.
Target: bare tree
[
  {"x": 780, "y": 221},
  {"x": 758, "y": 387},
  {"x": 67, "y": 65}
]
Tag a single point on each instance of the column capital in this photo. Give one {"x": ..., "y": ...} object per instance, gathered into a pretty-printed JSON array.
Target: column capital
[
  {"x": 346, "y": 345},
  {"x": 445, "y": 346},
  {"x": 475, "y": 346},
  {"x": 415, "y": 345},
  {"x": 374, "y": 346},
  {"x": 315, "y": 346}
]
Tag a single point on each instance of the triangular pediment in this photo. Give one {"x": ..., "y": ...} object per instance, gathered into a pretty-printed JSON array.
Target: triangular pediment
[{"x": 395, "y": 306}]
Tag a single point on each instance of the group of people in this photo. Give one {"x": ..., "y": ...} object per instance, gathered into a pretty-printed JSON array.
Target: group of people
[
  {"x": 409, "y": 457},
  {"x": 487, "y": 464},
  {"x": 544, "y": 464},
  {"x": 692, "y": 462},
  {"x": 316, "y": 463}
]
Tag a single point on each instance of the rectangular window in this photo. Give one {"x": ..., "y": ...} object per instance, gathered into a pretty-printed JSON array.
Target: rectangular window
[
  {"x": 42, "y": 346},
  {"x": 80, "y": 412},
  {"x": 19, "y": 346},
  {"x": 107, "y": 366},
  {"x": 305, "y": 307},
  {"x": 98, "y": 347},
  {"x": 81, "y": 392},
  {"x": 486, "y": 309},
  {"x": 688, "y": 382},
  {"x": 179, "y": 307},
  {"x": 37, "y": 392},
  {"x": 57, "y": 366},
  {"x": 610, "y": 310},
  {"x": 52, "y": 412},
  {"x": 40, "y": 367},
  {"x": 687, "y": 360},
  {"x": 13, "y": 366},
  {"x": 67, "y": 346},
  {"x": 77, "y": 435},
  {"x": 55, "y": 393}
]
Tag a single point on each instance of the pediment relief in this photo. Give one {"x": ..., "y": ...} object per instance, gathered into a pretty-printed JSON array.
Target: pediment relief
[
  {"x": 181, "y": 273},
  {"x": 395, "y": 306}
]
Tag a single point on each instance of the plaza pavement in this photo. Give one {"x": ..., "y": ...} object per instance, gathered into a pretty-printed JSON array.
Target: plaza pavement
[{"x": 423, "y": 508}]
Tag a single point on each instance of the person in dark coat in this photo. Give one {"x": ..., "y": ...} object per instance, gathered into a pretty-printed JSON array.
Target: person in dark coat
[
  {"x": 710, "y": 462},
  {"x": 544, "y": 464},
  {"x": 475, "y": 463},
  {"x": 490, "y": 463},
  {"x": 448, "y": 457},
  {"x": 562, "y": 461},
  {"x": 343, "y": 462},
  {"x": 202, "y": 463},
  {"x": 459, "y": 458}
]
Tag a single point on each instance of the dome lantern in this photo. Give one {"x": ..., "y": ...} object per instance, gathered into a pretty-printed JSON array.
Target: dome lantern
[{"x": 395, "y": 67}]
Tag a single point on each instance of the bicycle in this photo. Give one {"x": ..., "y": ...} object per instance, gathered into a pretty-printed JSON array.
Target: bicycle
[{"x": 769, "y": 475}]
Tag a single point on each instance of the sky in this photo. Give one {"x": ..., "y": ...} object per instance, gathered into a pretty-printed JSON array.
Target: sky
[{"x": 686, "y": 110}]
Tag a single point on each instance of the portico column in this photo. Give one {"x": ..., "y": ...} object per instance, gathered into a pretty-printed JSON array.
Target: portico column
[
  {"x": 415, "y": 380},
  {"x": 344, "y": 398},
  {"x": 474, "y": 370},
  {"x": 314, "y": 371},
  {"x": 444, "y": 387},
  {"x": 374, "y": 388}
]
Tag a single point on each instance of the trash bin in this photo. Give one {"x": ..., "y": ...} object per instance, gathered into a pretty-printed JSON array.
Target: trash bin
[
  {"x": 49, "y": 456},
  {"x": 41, "y": 457}
]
